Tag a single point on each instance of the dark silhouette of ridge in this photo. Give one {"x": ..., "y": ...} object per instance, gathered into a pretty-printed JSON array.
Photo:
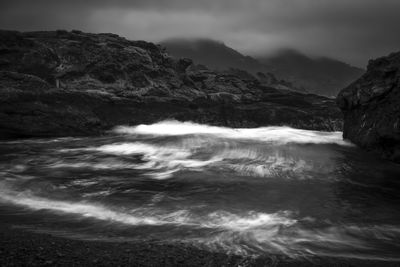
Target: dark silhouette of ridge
[
  {"x": 214, "y": 54},
  {"x": 322, "y": 75}
]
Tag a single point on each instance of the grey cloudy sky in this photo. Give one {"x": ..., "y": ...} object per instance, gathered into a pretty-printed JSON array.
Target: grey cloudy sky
[{"x": 349, "y": 30}]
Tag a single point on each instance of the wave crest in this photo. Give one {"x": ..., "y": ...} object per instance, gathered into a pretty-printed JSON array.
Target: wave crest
[
  {"x": 274, "y": 134},
  {"x": 151, "y": 216}
]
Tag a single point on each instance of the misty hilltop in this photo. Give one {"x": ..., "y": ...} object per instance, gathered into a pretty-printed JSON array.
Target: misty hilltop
[
  {"x": 213, "y": 54},
  {"x": 322, "y": 76}
]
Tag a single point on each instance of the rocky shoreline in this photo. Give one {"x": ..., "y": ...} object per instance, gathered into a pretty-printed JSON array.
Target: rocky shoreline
[
  {"x": 73, "y": 83},
  {"x": 63, "y": 83}
]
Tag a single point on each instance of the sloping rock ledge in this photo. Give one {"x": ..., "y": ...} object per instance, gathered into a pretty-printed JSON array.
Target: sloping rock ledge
[{"x": 73, "y": 83}]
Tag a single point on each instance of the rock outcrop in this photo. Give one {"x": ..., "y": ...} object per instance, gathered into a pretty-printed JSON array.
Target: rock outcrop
[
  {"x": 371, "y": 107},
  {"x": 73, "y": 83}
]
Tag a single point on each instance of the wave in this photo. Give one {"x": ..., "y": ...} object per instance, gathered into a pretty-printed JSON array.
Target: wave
[
  {"x": 245, "y": 233},
  {"x": 199, "y": 147},
  {"x": 278, "y": 135},
  {"x": 345, "y": 241},
  {"x": 152, "y": 216},
  {"x": 162, "y": 161}
]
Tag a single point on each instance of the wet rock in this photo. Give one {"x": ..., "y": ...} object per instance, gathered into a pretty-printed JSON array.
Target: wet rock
[
  {"x": 73, "y": 83},
  {"x": 371, "y": 107}
]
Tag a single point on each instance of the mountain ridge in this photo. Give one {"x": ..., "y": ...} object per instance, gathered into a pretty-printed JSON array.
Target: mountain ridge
[
  {"x": 322, "y": 75},
  {"x": 212, "y": 53}
]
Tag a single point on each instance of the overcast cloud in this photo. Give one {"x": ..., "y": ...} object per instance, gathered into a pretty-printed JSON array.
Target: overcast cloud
[{"x": 349, "y": 30}]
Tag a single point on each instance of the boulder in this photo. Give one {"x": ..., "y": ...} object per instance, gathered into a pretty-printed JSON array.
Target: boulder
[{"x": 371, "y": 108}]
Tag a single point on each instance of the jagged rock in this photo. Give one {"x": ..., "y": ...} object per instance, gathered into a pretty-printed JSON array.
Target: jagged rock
[
  {"x": 73, "y": 83},
  {"x": 371, "y": 107}
]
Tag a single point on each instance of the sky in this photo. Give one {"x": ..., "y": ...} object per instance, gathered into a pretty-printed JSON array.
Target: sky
[{"x": 353, "y": 31}]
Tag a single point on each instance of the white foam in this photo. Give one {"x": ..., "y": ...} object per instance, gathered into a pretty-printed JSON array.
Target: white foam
[
  {"x": 150, "y": 216},
  {"x": 250, "y": 220},
  {"x": 213, "y": 147},
  {"x": 345, "y": 241},
  {"x": 273, "y": 167},
  {"x": 242, "y": 233},
  {"x": 94, "y": 166},
  {"x": 279, "y": 135},
  {"x": 142, "y": 148},
  {"x": 163, "y": 161}
]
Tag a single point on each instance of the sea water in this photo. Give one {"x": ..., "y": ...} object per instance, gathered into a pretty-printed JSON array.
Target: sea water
[{"x": 255, "y": 191}]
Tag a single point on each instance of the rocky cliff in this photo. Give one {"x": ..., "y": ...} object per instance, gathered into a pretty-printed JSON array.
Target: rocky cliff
[
  {"x": 73, "y": 83},
  {"x": 371, "y": 107}
]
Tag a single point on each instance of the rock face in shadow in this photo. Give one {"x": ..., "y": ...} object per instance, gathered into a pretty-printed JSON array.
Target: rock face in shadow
[
  {"x": 63, "y": 83},
  {"x": 371, "y": 107}
]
